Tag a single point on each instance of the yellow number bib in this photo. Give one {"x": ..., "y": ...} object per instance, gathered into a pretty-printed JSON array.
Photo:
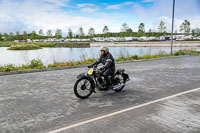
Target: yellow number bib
[{"x": 91, "y": 71}]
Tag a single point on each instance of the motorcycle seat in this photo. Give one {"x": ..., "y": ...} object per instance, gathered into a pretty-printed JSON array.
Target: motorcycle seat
[{"x": 119, "y": 71}]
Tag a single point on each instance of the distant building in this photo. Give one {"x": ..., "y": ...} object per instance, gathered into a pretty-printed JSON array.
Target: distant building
[
  {"x": 115, "y": 39},
  {"x": 130, "y": 38},
  {"x": 16, "y": 41}
]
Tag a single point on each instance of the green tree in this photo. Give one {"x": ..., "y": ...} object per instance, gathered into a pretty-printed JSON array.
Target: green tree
[
  {"x": 18, "y": 37},
  {"x": 1, "y": 37},
  {"x": 185, "y": 27},
  {"x": 70, "y": 33},
  {"x": 121, "y": 34},
  {"x": 108, "y": 34},
  {"x": 196, "y": 32},
  {"x": 149, "y": 33},
  {"x": 49, "y": 33},
  {"x": 58, "y": 33},
  {"x": 6, "y": 36},
  {"x": 41, "y": 32},
  {"x": 124, "y": 27},
  {"x": 193, "y": 32},
  {"x": 129, "y": 32},
  {"x": 33, "y": 35},
  {"x": 162, "y": 28},
  {"x": 91, "y": 32},
  {"x": 81, "y": 32},
  {"x": 11, "y": 36},
  {"x": 141, "y": 29},
  {"x": 150, "y": 30},
  {"x": 25, "y": 35},
  {"x": 105, "y": 29}
]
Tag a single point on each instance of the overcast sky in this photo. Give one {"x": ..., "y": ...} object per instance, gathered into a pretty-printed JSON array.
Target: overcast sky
[{"x": 29, "y": 15}]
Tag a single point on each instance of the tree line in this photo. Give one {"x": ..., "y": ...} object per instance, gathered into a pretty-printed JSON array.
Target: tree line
[{"x": 125, "y": 31}]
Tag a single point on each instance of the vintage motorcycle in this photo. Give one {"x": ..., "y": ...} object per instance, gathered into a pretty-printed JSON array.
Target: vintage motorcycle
[{"x": 89, "y": 82}]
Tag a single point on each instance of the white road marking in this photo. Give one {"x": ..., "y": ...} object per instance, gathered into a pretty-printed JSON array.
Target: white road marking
[{"x": 122, "y": 111}]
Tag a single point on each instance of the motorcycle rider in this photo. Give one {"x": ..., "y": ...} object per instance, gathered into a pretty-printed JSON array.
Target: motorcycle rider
[{"x": 108, "y": 65}]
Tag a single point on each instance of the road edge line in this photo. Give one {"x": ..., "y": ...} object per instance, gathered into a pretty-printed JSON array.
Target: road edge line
[{"x": 121, "y": 111}]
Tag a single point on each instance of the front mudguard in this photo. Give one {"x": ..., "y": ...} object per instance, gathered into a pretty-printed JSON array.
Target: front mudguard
[
  {"x": 81, "y": 75},
  {"x": 89, "y": 78}
]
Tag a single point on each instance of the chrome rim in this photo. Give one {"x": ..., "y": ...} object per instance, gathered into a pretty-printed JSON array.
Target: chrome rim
[{"x": 84, "y": 87}]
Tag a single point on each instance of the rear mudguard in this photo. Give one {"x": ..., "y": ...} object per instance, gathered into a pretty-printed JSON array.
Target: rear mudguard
[
  {"x": 121, "y": 72},
  {"x": 84, "y": 75},
  {"x": 126, "y": 77}
]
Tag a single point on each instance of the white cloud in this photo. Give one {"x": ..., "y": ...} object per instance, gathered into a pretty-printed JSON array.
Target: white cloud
[
  {"x": 31, "y": 16},
  {"x": 114, "y": 6},
  {"x": 141, "y": 11},
  {"x": 146, "y": 1},
  {"x": 89, "y": 10},
  {"x": 119, "y": 6},
  {"x": 58, "y": 2},
  {"x": 86, "y": 8},
  {"x": 128, "y": 3},
  {"x": 85, "y": 4}
]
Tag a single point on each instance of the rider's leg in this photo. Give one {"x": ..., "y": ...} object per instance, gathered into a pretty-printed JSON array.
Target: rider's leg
[{"x": 106, "y": 74}]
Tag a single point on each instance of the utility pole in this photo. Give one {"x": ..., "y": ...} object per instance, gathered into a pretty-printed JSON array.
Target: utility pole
[{"x": 172, "y": 27}]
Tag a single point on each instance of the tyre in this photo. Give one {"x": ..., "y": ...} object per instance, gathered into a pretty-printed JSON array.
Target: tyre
[
  {"x": 83, "y": 88},
  {"x": 121, "y": 80}
]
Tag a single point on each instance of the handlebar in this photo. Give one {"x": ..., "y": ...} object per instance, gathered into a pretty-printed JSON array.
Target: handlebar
[
  {"x": 90, "y": 66},
  {"x": 95, "y": 68}
]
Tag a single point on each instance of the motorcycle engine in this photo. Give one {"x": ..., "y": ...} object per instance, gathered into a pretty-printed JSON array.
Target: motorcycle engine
[
  {"x": 101, "y": 82},
  {"x": 116, "y": 81}
]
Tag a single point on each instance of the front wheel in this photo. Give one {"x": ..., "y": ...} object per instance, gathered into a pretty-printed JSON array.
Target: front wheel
[{"x": 83, "y": 88}]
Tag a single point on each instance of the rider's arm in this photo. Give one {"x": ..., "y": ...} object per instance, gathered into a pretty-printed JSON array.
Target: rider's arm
[{"x": 108, "y": 63}]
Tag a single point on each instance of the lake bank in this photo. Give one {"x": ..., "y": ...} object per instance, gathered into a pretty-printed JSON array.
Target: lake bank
[{"x": 147, "y": 44}]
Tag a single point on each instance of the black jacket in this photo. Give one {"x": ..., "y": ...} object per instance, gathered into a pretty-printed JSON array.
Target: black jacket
[{"x": 107, "y": 60}]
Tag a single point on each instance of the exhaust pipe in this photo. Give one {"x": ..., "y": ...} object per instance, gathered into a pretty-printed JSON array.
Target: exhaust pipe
[{"x": 118, "y": 86}]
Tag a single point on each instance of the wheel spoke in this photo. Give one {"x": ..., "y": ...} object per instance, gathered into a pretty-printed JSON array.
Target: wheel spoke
[{"x": 86, "y": 87}]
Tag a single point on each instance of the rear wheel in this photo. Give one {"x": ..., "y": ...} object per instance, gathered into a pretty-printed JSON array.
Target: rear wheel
[
  {"x": 83, "y": 88},
  {"x": 121, "y": 81}
]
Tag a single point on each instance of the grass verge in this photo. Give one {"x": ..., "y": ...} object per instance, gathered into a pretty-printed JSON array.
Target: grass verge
[{"x": 37, "y": 64}]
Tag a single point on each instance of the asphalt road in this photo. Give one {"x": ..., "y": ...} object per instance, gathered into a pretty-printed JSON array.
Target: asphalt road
[{"x": 44, "y": 101}]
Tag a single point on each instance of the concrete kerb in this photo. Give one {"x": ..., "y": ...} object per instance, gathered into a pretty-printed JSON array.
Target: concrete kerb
[
  {"x": 40, "y": 70},
  {"x": 81, "y": 66}
]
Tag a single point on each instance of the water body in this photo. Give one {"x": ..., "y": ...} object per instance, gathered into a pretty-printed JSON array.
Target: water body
[{"x": 50, "y": 55}]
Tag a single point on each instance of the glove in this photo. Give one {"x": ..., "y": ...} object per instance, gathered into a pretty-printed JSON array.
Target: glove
[{"x": 89, "y": 66}]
